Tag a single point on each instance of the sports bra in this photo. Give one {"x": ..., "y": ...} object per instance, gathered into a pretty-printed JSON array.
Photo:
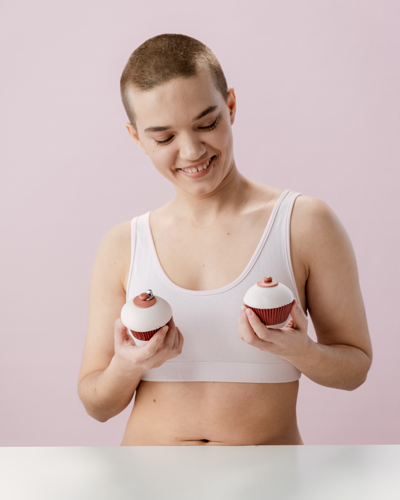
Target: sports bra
[{"x": 208, "y": 319}]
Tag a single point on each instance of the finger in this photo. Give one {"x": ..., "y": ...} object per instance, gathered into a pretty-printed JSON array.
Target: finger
[
  {"x": 247, "y": 333},
  {"x": 170, "y": 337},
  {"x": 181, "y": 341},
  {"x": 244, "y": 326},
  {"x": 152, "y": 346},
  {"x": 176, "y": 340},
  {"x": 173, "y": 347},
  {"x": 121, "y": 334},
  {"x": 290, "y": 323},
  {"x": 298, "y": 317},
  {"x": 261, "y": 330}
]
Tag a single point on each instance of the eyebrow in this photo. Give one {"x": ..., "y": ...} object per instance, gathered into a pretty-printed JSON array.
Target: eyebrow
[{"x": 208, "y": 110}]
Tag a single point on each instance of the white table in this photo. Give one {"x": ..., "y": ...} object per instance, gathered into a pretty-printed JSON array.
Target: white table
[{"x": 201, "y": 472}]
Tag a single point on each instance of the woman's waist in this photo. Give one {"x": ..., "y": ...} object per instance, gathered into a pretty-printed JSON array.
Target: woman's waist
[{"x": 168, "y": 413}]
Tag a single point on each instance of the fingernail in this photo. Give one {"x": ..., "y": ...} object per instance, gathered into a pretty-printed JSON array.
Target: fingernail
[
  {"x": 249, "y": 312},
  {"x": 243, "y": 308}
]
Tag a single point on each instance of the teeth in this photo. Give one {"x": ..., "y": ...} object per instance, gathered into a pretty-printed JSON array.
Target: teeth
[{"x": 199, "y": 169}]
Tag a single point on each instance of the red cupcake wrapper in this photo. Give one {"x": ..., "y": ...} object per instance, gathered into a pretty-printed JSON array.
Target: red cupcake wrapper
[
  {"x": 273, "y": 316},
  {"x": 143, "y": 335}
]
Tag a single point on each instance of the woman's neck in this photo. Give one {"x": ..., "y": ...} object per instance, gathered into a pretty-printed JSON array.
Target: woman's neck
[{"x": 204, "y": 210}]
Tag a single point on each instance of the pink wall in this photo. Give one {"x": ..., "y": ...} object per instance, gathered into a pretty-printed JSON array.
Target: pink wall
[{"x": 317, "y": 85}]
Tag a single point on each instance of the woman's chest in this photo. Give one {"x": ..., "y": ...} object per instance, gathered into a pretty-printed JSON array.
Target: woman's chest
[
  {"x": 207, "y": 258},
  {"x": 213, "y": 257}
]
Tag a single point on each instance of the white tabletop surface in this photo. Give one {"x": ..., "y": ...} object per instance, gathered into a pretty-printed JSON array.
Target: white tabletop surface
[{"x": 201, "y": 472}]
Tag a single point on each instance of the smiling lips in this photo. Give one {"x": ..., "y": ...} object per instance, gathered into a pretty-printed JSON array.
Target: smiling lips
[{"x": 200, "y": 171}]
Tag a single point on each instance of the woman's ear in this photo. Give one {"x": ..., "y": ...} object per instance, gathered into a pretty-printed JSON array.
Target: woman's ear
[
  {"x": 232, "y": 104},
  {"x": 132, "y": 132}
]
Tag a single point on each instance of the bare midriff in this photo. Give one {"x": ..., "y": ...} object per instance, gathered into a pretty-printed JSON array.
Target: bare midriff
[{"x": 213, "y": 413}]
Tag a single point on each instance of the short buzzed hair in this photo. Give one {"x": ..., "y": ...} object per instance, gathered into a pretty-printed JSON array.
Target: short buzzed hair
[{"x": 163, "y": 58}]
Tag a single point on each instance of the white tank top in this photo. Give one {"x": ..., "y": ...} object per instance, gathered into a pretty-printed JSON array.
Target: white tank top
[{"x": 208, "y": 320}]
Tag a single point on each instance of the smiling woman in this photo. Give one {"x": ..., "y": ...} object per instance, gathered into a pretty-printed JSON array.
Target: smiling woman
[
  {"x": 185, "y": 125},
  {"x": 221, "y": 377}
]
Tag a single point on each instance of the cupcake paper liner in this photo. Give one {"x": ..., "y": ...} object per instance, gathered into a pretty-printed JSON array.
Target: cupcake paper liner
[
  {"x": 143, "y": 335},
  {"x": 273, "y": 316}
]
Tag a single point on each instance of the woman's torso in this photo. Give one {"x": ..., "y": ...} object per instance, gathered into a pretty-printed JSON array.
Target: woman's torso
[{"x": 214, "y": 413}]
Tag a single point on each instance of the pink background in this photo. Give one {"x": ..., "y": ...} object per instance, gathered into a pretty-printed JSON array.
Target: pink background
[{"x": 317, "y": 85}]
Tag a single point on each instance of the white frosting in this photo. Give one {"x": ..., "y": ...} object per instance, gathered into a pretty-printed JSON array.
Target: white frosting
[
  {"x": 268, "y": 297},
  {"x": 145, "y": 319}
]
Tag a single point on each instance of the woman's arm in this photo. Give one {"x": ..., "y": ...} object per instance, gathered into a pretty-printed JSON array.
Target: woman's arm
[
  {"x": 112, "y": 364},
  {"x": 105, "y": 393},
  {"x": 343, "y": 354},
  {"x": 102, "y": 385}
]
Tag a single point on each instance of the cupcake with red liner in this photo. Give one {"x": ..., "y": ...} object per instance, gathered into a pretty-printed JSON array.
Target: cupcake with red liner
[
  {"x": 271, "y": 301},
  {"x": 145, "y": 314}
]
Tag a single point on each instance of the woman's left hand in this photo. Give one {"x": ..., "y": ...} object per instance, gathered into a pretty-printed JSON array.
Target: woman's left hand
[{"x": 291, "y": 341}]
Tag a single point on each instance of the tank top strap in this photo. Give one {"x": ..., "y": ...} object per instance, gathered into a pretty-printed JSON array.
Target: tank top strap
[
  {"x": 278, "y": 242},
  {"x": 285, "y": 213},
  {"x": 140, "y": 251},
  {"x": 133, "y": 247}
]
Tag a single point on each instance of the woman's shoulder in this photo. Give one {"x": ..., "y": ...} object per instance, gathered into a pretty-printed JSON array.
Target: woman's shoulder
[
  {"x": 114, "y": 252},
  {"x": 307, "y": 210},
  {"x": 313, "y": 222},
  {"x": 116, "y": 243},
  {"x": 312, "y": 211},
  {"x": 119, "y": 235},
  {"x": 315, "y": 228}
]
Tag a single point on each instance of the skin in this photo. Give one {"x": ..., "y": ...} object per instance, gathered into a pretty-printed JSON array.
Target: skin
[{"x": 199, "y": 238}]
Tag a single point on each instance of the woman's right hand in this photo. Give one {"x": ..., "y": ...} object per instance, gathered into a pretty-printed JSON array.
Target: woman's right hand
[{"x": 165, "y": 344}]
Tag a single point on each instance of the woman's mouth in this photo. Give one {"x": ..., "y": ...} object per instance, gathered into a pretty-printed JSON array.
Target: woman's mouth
[{"x": 200, "y": 171}]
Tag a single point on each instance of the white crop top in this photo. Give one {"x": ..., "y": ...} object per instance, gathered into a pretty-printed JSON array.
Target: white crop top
[{"x": 208, "y": 320}]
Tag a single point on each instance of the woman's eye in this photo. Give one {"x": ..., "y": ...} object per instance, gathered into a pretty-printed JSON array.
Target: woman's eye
[
  {"x": 209, "y": 127},
  {"x": 164, "y": 142}
]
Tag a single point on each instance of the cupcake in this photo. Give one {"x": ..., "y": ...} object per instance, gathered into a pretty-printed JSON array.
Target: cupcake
[
  {"x": 144, "y": 315},
  {"x": 271, "y": 301}
]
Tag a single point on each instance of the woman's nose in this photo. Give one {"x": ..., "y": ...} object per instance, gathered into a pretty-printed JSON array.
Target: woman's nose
[{"x": 191, "y": 148}]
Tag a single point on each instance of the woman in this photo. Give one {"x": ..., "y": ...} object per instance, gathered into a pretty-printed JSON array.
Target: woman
[{"x": 233, "y": 381}]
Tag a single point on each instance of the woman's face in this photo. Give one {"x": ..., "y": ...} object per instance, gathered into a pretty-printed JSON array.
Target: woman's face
[{"x": 183, "y": 124}]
